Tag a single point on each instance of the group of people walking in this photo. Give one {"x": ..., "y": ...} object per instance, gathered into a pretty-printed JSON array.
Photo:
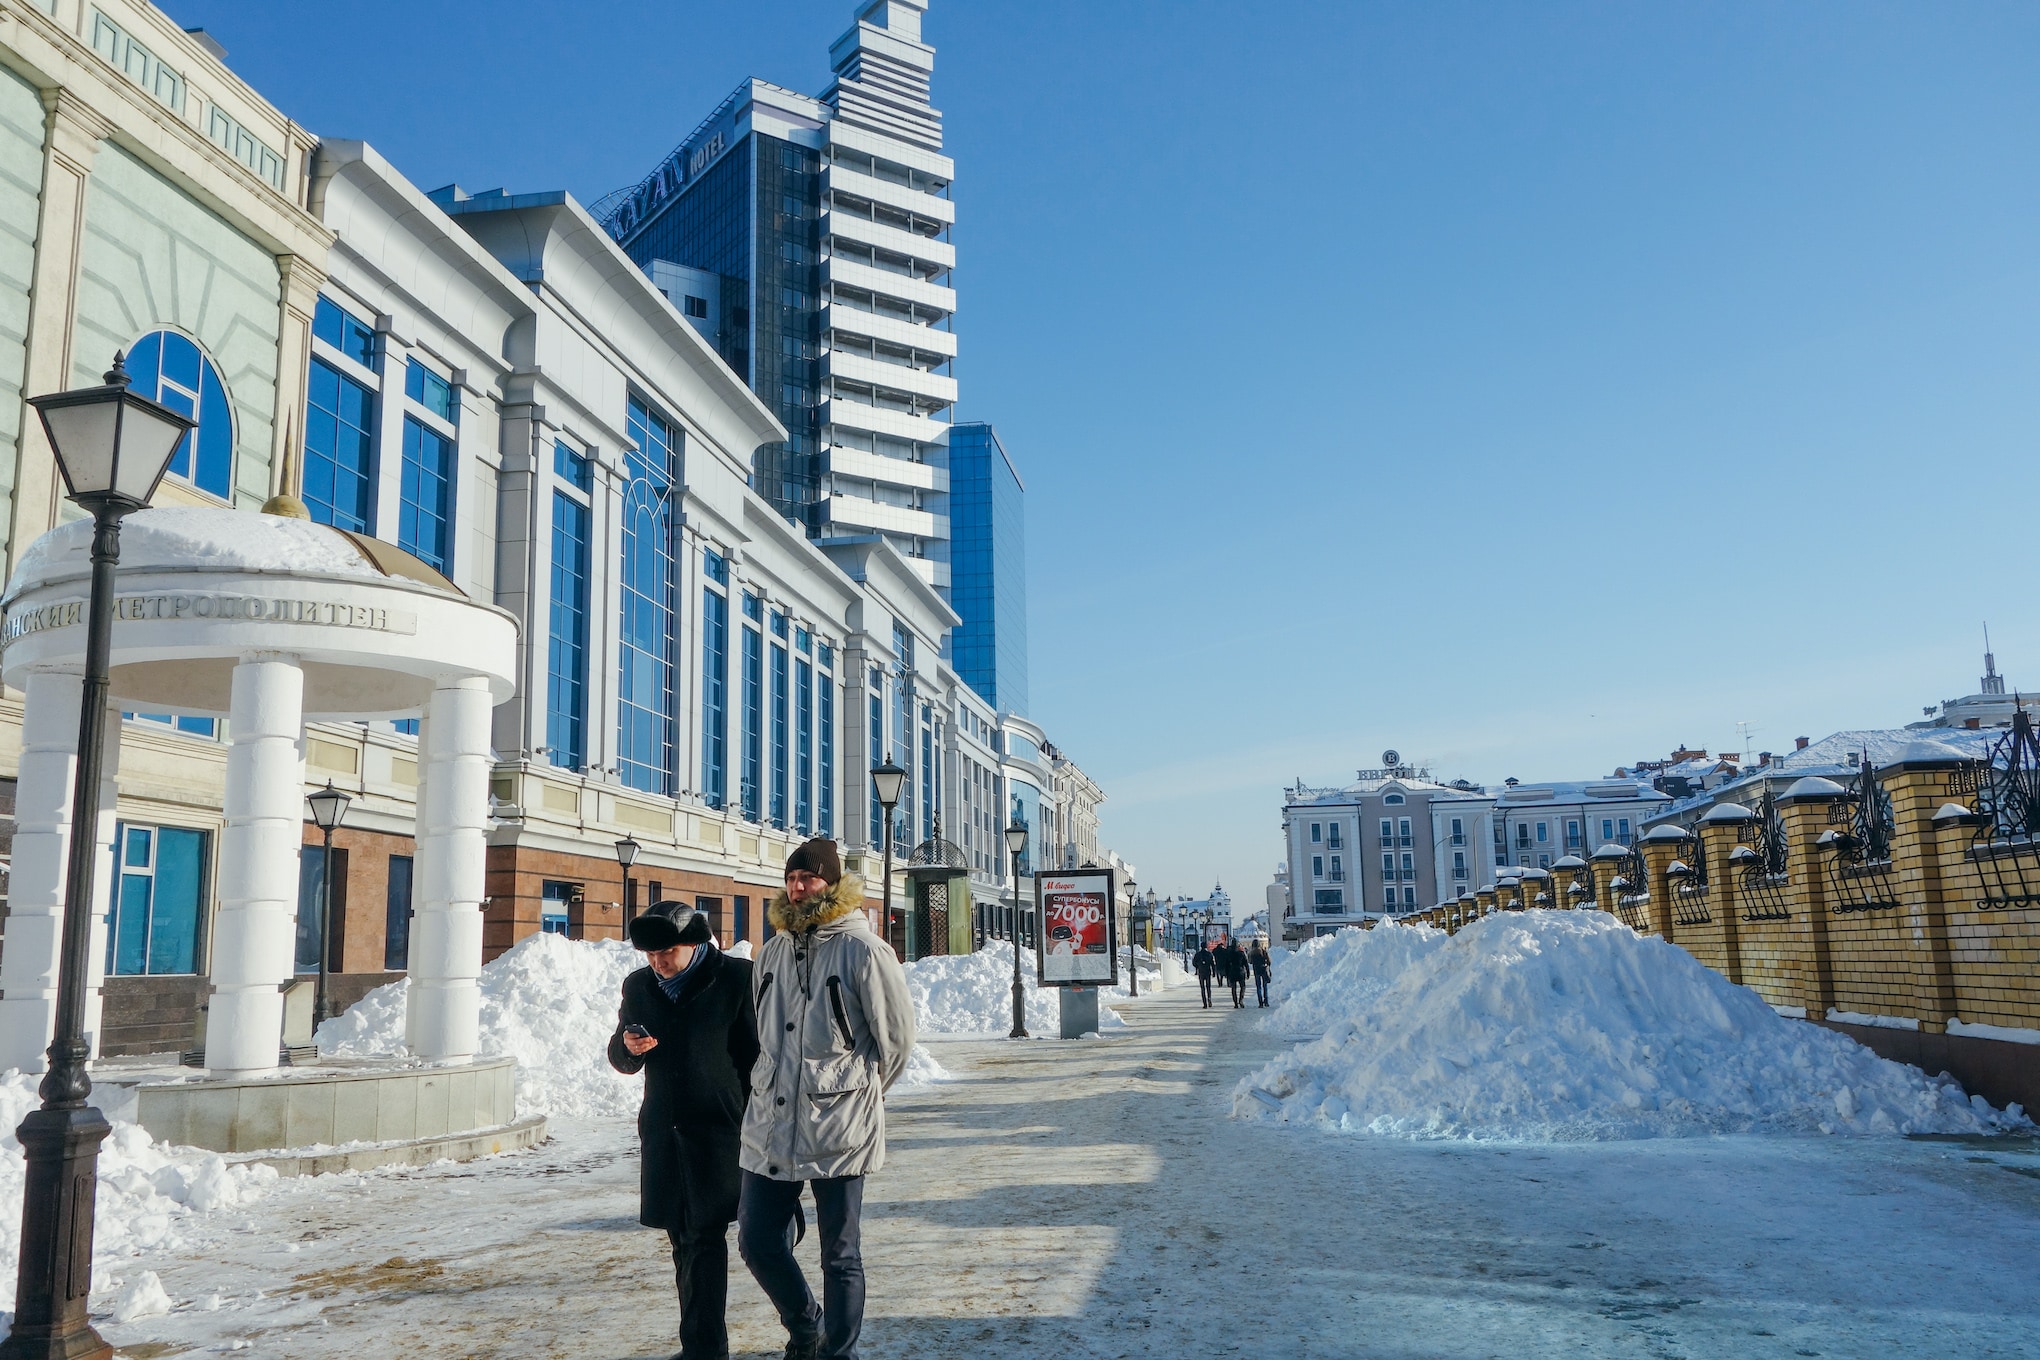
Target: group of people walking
[
  {"x": 761, "y": 1078},
  {"x": 1224, "y": 961}
]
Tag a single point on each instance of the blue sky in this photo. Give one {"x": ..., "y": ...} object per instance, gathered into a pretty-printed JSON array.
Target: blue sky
[{"x": 1529, "y": 388}]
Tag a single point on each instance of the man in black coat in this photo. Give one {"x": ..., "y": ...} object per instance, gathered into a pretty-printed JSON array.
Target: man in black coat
[
  {"x": 689, "y": 1024},
  {"x": 1236, "y": 972},
  {"x": 1264, "y": 968},
  {"x": 1206, "y": 963}
]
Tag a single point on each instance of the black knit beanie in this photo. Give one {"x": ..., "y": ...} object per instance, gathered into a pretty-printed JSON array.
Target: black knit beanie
[{"x": 818, "y": 857}]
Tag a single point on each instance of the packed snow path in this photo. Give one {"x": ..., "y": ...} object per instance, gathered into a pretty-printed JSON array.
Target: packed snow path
[{"x": 1093, "y": 1199}]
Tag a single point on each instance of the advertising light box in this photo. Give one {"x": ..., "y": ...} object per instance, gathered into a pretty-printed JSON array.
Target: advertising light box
[{"x": 1077, "y": 945}]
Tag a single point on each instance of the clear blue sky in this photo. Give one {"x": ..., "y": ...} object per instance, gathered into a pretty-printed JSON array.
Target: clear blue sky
[{"x": 1529, "y": 388}]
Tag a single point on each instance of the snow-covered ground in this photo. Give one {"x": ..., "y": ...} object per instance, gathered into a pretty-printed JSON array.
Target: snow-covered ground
[
  {"x": 1565, "y": 1025},
  {"x": 1094, "y": 1201},
  {"x": 973, "y": 994}
]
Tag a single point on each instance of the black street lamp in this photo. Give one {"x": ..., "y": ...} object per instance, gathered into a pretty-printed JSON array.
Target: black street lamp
[
  {"x": 626, "y": 855},
  {"x": 112, "y": 447},
  {"x": 1132, "y": 958},
  {"x": 886, "y": 782},
  {"x": 329, "y": 805},
  {"x": 1016, "y": 842}
]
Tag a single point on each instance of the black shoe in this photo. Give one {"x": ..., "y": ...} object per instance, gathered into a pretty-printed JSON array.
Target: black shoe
[{"x": 802, "y": 1350}]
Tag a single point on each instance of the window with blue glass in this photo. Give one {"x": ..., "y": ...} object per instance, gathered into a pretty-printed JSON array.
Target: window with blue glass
[
  {"x": 169, "y": 368},
  {"x": 804, "y": 744},
  {"x": 647, "y": 720},
  {"x": 877, "y": 741},
  {"x": 397, "y": 915},
  {"x": 192, "y": 727},
  {"x": 556, "y": 906},
  {"x": 430, "y": 391},
  {"x": 779, "y": 733},
  {"x": 566, "y": 706},
  {"x": 339, "y": 476},
  {"x": 927, "y": 774},
  {"x": 751, "y": 781},
  {"x": 715, "y": 686},
  {"x": 344, "y": 331},
  {"x": 825, "y": 683},
  {"x": 425, "y": 515},
  {"x": 158, "y": 901}
]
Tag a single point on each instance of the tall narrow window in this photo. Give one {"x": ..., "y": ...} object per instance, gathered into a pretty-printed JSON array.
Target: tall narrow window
[
  {"x": 647, "y": 722},
  {"x": 779, "y": 734},
  {"x": 425, "y": 517},
  {"x": 397, "y": 916},
  {"x": 339, "y": 475},
  {"x": 825, "y": 821},
  {"x": 715, "y": 682},
  {"x": 927, "y": 773},
  {"x": 752, "y": 780},
  {"x": 157, "y": 901},
  {"x": 566, "y": 702},
  {"x": 877, "y": 746},
  {"x": 804, "y": 744}
]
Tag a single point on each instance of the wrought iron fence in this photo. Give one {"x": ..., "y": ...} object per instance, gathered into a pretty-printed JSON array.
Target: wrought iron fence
[
  {"x": 1760, "y": 866},
  {"x": 2006, "y": 849},
  {"x": 1690, "y": 889},
  {"x": 1858, "y": 841},
  {"x": 1631, "y": 888}
]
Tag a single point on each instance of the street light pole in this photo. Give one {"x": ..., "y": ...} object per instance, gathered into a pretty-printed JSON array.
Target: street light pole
[
  {"x": 329, "y": 805},
  {"x": 1016, "y": 844},
  {"x": 886, "y": 781},
  {"x": 1132, "y": 959},
  {"x": 112, "y": 447},
  {"x": 626, "y": 855}
]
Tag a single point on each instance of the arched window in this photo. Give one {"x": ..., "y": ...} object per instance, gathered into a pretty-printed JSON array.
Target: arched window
[
  {"x": 168, "y": 367},
  {"x": 1393, "y": 798}
]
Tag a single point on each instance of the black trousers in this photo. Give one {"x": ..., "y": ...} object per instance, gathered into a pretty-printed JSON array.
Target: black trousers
[
  {"x": 764, "y": 1217},
  {"x": 1204, "y": 987},
  {"x": 701, "y": 1267},
  {"x": 1239, "y": 992}
]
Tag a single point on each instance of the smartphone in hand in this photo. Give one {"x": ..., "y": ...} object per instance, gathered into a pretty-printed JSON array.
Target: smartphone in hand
[{"x": 637, "y": 1031}]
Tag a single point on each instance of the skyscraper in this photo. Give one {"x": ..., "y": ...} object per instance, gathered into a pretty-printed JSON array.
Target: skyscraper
[
  {"x": 810, "y": 239},
  {"x": 989, "y": 649}
]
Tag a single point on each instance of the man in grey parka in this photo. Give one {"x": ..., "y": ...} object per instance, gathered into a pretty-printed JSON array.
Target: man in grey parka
[{"x": 835, "y": 1026}]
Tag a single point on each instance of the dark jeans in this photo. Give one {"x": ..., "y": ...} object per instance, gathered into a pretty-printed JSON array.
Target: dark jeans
[
  {"x": 763, "y": 1218},
  {"x": 701, "y": 1267},
  {"x": 1204, "y": 986},
  {"x": 1239, "y": 992},
  {"x": 1261, "y": 990}
]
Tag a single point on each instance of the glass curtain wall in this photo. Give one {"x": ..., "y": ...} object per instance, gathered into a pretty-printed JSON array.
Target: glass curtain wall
[{"x": 647, "y": 723}]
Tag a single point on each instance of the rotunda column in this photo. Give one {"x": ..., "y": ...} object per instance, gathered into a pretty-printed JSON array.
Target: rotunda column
[
  {"x": 443, "y": 1013},
  {"x": 255, "y": 934}
]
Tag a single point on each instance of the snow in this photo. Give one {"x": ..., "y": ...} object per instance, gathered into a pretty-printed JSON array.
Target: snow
[
  {"x": 973, "y": 994},
  {"x": 197, "y": 537},
  {"x": 1317, "y": 986},
  {"x": 2007, "y": 1033},
  {"x": 1874, "y": 1021},
  {"x": 550, "y": 1003},
  {"x": 1568, "y": 1026},
  {"x": 151, "y": 1196},
  {"x": 144, "y": 1297}
]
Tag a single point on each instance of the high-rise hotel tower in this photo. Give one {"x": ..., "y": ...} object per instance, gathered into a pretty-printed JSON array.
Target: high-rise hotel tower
[{"x": 809, "y": 240}]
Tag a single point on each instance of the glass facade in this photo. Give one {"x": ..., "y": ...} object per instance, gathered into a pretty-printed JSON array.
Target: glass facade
[
  {"x": 715, "y": 682},
  {"x": 647, "y": 723},
  {"x": 339, "y": 486},
  {"x": 167, "y": 367},
  {"x": 825, "y": 683},
  {"x": 566, "y": 704},
  {"x": 425, "y": 512},
  {"x": 752, "y": 780},
  {"x": 988, "y": 565},
  {"x": 397, "y": 915},
  {"x": 804, "y": 745},
  {"x": 158, "y": 899},
  {"x": 780, "y": 682}
]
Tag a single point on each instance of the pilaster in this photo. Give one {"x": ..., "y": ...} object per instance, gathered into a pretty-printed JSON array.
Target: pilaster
[
  {"x": 1918, "y": 789},
  {"x": 297, "y": 297},
  {"x": 1804, "y": 811}
]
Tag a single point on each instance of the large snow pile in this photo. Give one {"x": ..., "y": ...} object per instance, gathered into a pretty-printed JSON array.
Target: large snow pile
[
  {"x": 1330, "y": 977},
  {"x": 1569, "y": 1025},
  {"x": 550, "y": 1003},
  {"x": 973, "y": 994},
  {"x": 150, "y": 1196}
]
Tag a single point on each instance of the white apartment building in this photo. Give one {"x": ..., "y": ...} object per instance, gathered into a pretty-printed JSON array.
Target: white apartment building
[{"x": 1535, "y": 825}]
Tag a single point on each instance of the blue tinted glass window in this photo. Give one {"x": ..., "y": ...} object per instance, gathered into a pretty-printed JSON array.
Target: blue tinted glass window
[
  {"x": 751, "y": 779},
  {"x": 779, "y": 735},
  {"x": 825, "y": 819},
  {"x": 168, "y": 367},
  {"x": 429, "y": 390},
  {"x": 311, "y": 911},
  {"x": 567, "y": 648},
  {"x": 717, "y": 567},
  {"x": 804, "y": 745},
  {"x": 802, "y": 642},
  {"x": 715, "y": 676},
  {"x": 425, "y": 515},
  {"x": 397, "y": 915},
  {"x": 754, "y": 608},
  {"x": 877, "y": 721},
  {"x": 555, "y": 907},
  {"x": 826, "y": 655},
  {"x": 339, "y": 486},
  {"x": 156, "y": 901},
  {"x": 345, "y": 332},
  {"x": 571, "y": 468},
  {"x": 778, "y": 623},
  {"x": 647, "y": 736}
]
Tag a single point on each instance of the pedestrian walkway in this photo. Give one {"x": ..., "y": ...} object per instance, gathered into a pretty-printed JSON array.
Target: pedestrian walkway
[{"x": 1093, "y": 1199}]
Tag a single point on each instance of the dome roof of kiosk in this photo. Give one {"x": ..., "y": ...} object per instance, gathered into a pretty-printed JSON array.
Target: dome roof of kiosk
[{"x": 201, "y": 538}]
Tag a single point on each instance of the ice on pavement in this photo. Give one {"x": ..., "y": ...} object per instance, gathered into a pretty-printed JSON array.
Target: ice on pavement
[
  {"x": 550, "y": 1003},
  {"x": 1565, "y": 1025},
  {"x": 973, "y": 994},
  {"x": 150, "y": 1195}
]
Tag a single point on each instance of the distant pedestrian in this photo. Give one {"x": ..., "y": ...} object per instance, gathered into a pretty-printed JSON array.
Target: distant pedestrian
[
  {"x": 1206, "y": 963},
  {"x": 1263, "y": 966},
  {"x": 836, "y": 1024},
  {"x": 1236, "y": 972},
  {"x": 687, "y": 1023}
]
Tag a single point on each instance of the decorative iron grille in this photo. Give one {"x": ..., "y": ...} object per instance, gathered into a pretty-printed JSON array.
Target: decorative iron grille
[
  {"x": 1859, "y": 848},
  {"x": 1688, "y": 877},
  {"x": 1760, "y": 876},
  {"x": 2006, "y": 851},
  {"x": 1580, "y": 892},
  {"x": 1631, "y": 888}
]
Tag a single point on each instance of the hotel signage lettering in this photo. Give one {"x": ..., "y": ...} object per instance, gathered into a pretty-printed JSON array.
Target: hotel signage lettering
[{"x": 178, "y": 608}]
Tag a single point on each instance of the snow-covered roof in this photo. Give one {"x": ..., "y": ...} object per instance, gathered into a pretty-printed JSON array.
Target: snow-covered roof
[
  {"x": 1828, "y": 758},
  {"x": 1579, "y": 791}
]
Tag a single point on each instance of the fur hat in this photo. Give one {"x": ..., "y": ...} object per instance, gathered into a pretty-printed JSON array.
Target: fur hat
[
  {"x": 665, "y": 924},
  {"x": 818, "y": 857}
]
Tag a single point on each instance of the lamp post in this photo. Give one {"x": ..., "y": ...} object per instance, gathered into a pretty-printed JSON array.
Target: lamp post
[
  {"x": 329, "y": 805},
  {"x": 112, "y": 447},
  {"x": 1132, "y": 958},
  {"x": 886, "y": 781},
  {"x": 1016, "y": 845},
  {"x": 626, "y": 855}
]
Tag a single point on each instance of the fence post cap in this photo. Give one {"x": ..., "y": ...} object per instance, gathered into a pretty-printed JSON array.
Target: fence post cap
[
  {"x": 1733, "y": 812},
  {"x": 1813, "y": 786}
]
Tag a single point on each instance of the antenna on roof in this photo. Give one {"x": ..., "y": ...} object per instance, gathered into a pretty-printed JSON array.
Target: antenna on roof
[{"x": 1992, "y": 682}]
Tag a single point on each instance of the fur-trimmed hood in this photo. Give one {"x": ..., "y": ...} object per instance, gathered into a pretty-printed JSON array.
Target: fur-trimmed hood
[{"x": 845, "y": 897}]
